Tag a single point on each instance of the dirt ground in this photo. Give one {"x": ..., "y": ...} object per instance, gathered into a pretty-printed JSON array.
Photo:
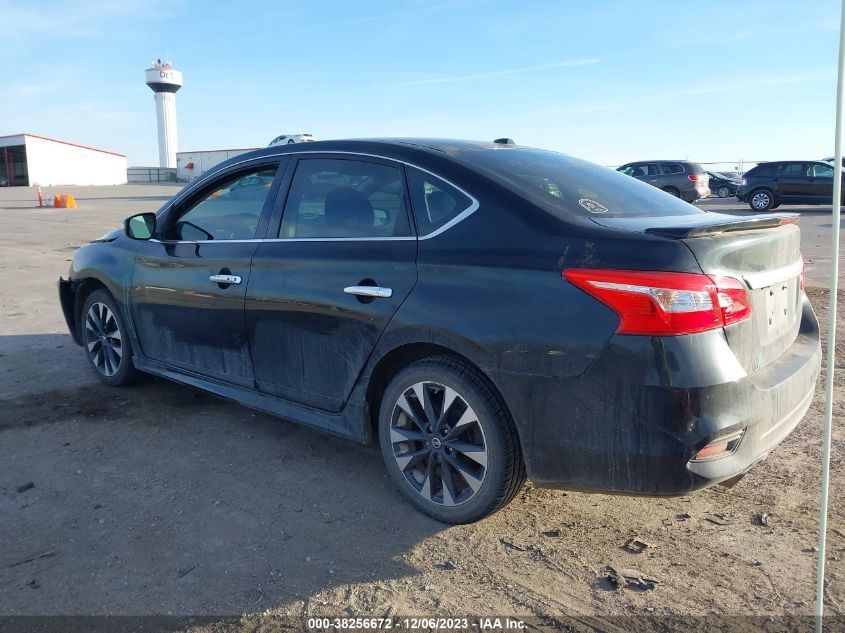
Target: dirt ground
[{"x": 158, "y": 499}]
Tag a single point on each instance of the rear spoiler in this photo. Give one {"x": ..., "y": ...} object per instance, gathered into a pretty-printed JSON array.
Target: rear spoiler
[{"x": 699, "y": 225}]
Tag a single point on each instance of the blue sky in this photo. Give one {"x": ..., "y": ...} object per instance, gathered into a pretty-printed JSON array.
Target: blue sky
[{"x": 606, "y": 81}]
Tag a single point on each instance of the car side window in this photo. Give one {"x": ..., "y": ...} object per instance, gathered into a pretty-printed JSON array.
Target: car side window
[
  {"x": 229, "y": 212},
  {"x": 821, "y": 171},
  {"x": 436, "y": 202},
  {"x": 673, "y": 168},
  {"x": 791, "y": 170},
  {"x": 345, "y": 199}
]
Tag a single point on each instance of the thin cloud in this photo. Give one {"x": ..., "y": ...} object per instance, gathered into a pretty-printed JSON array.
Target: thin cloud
[
  {"x": 446, "y": 6},
  {"x": 445, "y": 79},
  {"x": 648, "y": 99},
  {"x": 708, "y": 39},
  {"x": 75, "y": 19}
]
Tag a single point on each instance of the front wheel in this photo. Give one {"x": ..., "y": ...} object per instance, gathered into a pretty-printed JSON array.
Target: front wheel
[
  {"x": 106, "y": 343},
  {"x": 448, "y": 442},
  {"x": 723, "y": 192},
  {"x": 761, "y": 200}
]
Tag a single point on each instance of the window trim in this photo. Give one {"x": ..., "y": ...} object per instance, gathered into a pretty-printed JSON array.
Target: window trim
[{"x": 463, "y": 215}]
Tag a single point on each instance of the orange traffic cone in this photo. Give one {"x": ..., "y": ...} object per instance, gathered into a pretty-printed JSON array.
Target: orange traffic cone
[
  {"x": 70, "y": 201},
  {"x": 58, "y": 202}
]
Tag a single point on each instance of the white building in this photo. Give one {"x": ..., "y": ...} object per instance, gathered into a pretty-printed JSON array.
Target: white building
[
  {"x": 27, "y": 159},
  {"x": 192, "y": 165}
]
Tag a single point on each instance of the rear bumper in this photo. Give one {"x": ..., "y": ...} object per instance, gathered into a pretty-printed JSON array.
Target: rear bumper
[{"x": 633, "y": 423}]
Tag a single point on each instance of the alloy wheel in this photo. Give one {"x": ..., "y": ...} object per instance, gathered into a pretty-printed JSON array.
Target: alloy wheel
[
  {"x": 760, "y": 200},
  {"x": 723, "y": 192},
  {"x": 438, "y": 443},
  {"x": 103, "y": 339}
]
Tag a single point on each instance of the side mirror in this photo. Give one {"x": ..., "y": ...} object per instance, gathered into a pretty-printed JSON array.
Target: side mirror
[{"x": 141, "y": 226}]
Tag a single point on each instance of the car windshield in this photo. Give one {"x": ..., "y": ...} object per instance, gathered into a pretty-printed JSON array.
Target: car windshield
[{"x": 569, "y": 186}]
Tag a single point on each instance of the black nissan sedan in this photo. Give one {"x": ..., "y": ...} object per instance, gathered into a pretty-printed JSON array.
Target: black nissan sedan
[{"x": 486, "y": 312}]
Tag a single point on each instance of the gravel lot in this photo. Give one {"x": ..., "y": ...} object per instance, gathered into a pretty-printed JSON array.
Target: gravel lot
[{"x": 158, "y": 499}]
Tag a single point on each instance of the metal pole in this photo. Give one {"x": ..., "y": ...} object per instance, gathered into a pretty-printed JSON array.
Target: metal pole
[{"x": 831, "y": 328}]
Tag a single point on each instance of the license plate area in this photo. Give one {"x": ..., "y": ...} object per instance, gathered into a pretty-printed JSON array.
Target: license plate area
[{"x": 780, "y": 303}]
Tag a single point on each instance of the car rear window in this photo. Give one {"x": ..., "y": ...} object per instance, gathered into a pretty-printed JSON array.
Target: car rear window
[
  {"x": 569, "y": 186},
  {"x": 763, "y": 169},
  {"x": 694, "y": 168}
]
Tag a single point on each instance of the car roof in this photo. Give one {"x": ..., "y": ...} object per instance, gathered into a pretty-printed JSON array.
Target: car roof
[
  {"x": 661, "y": 160},
  {"x": 797, "y": 160},
  {"x": 402, "y": 149}
]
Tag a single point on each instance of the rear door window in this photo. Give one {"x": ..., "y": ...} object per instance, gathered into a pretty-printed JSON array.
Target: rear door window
[
  {"x": 333, "y": 198},
  {"x": 435, "y": 201}
]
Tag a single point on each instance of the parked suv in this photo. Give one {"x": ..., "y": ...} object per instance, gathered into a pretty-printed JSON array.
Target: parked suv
[
  {"x": 680, "y": 178},
  {"x": 770, "y": 185}
]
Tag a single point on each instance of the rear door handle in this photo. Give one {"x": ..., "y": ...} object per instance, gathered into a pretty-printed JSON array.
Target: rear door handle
[
  {"x": 369, "y": 291},
  {"x": 225, "y": 279}
]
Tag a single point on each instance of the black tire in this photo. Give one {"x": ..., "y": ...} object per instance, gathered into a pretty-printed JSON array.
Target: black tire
[
  {"x": 672, "y": 191},
  {"x": 761, "y": 200},
  {"x": 491, "y": 428},
  {"x": 723, "y": 192},
  {"x": 110, "y": 356}
]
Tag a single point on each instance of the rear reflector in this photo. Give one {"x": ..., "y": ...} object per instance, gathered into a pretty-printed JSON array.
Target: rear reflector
[
  {"x": 721, "y": 447},
  {"x": 665, "y": 304}
]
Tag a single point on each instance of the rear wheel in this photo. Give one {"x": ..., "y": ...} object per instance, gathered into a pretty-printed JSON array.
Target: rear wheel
[
  {"x": 672, "y": 191},
  {"x": 448, "y": 442},
  {"x": 761, "y": 200},
  {"x": 723, "y": 192},
  {"x": 104, "y": 338}
]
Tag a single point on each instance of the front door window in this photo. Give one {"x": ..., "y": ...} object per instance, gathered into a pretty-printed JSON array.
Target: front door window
[{"x": 229, "y": 212}]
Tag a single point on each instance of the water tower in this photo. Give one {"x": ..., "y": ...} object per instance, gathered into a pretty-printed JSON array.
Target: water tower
[{"x": 164, "y": 81}]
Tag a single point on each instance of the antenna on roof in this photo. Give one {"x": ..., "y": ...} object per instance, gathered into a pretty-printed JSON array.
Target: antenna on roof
[{"x": 504, "y": 141}]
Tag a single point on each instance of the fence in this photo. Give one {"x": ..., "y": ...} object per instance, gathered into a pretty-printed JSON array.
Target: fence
[{"x": 150, "y": 174}]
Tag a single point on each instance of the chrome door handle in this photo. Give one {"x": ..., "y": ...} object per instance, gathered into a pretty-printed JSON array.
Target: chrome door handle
[
  {"x": 369, "y": 291},
  {"x": 225, "y": 279}
]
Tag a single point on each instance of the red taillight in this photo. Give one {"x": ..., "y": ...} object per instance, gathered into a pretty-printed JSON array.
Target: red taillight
[
  {"x": 665, "y": 304},
  {"x": 695, "y": 177}
]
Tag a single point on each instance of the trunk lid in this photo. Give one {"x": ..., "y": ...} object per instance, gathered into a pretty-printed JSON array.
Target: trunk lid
[{"x": 763, "y": 252}]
